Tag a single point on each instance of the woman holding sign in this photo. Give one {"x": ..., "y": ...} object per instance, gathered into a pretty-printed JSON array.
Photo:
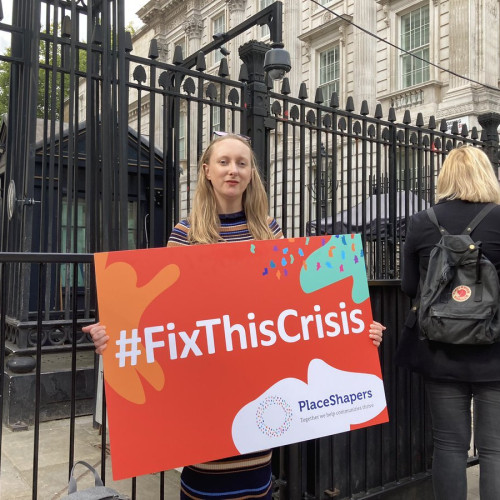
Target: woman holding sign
[{"x": 230, "y": 204}]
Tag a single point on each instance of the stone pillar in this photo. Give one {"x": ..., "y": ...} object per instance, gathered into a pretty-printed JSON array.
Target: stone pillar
[
  {"x": 461, "y": 39},
  {"x": 365, "y": 54},
  {"x": 292, "y": 17},
  {"x": 236, "y": 16},
  {"x": 161, "y": 34},
  {"x": 475, "y": 43},
  {"x": 193, "y": 26}
]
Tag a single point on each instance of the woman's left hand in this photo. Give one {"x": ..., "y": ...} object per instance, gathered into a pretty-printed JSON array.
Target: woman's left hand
[{"x": 376, "y": 332}]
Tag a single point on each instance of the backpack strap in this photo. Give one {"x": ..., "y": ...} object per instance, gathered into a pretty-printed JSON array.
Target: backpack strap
[
  {"x": 478, "y": 218},
  {"x": 72, "y": 480},
  {"x": 433, "y": 218},
  {"x": 472, "y": 224}
]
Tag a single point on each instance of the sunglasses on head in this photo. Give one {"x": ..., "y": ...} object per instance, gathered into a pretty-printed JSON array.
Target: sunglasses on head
[{"x": 221, "y": 133}]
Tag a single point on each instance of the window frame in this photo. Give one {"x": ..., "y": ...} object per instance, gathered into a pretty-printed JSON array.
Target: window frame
[
  {"x": 181, "y": 136},
  {"x": 217, "y": 55},
  {"x": 216, "y": 114},
  {"x": 425, "y": 69},
  {"x": 336, "y": 46},
  {"x": 264, "y": 29},
  {"x": 183, "y": 44},
  {"x": 319, "y": 39}
]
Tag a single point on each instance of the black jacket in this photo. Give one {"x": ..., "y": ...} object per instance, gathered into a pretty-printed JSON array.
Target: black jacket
[{"x": 434, "y": 359}]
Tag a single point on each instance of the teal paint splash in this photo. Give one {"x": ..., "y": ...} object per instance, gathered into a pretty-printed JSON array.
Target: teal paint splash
[{"x": 339, "y": 258}]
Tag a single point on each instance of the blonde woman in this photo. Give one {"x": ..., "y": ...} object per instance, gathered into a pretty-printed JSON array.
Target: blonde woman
[
  {"x": 230, "y": 204},
  {"x": 456, "y": 375}
]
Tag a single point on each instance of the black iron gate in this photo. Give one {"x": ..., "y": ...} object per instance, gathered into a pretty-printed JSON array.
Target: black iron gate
[{"x": 100, "y": 154}]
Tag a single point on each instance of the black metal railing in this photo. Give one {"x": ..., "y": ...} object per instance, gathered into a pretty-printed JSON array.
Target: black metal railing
[
  {"x": 391, "y": 457},
  {"x": 118, "y": 170}
]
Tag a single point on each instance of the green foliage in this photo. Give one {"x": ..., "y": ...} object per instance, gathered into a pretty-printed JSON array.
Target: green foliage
[
  {"x": 53, "y": 79},
  {"x": 4, "y": 84},
  {"x": 131, "y": 28}
]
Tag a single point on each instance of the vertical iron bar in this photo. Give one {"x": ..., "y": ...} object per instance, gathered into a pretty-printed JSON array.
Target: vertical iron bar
[
  {"x": 284, "y": 169},
  {"x": 302, "y": 169},
  {"x": 294, "y": 180},
  {"x": 174, "y": 144},
  {"x": 74, "y": 327},
  {"x": 139, "y": 169},
  {"x": 167, "y": 197},
  {"x": 152, "y": 158},
  {"x": 103, "y": 433},
  {"x": 106, "y": 126},
  {"x": 335, "y": 165},
  {"x": 187, "y": 142},
  {"x": 319, "y": 173},
  {"x": 364, "y": 164},
  {"x": 311, "y": 186},
  {"x": 162, "y": 485},
  {"x": 121, "y": 88},
  {"x": 168, "y": 156},
  {"x": 342, "y": 176},
  {"x": 290, "y": 468},
  {"x": 199, "y": 118},
  {"x": 349, "y": 138},
  {"x": 222, "y": 103},
  {"x": 134, "y": 488},
  {"x": 38, "y": 378},
  {"x": 275, "y": 175},
  {"x": 3, "y": 289},
  {"x": 72, "y": 162}
]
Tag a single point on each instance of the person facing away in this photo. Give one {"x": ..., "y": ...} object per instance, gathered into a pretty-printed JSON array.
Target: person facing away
[
  {"x": 456, "y": 374},
  {"x": 229, "y": 204}
]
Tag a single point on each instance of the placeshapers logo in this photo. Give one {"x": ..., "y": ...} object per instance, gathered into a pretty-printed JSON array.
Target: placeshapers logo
[
  {"x": 292, "y": 410},
  {"x": 274, "y": 416}
]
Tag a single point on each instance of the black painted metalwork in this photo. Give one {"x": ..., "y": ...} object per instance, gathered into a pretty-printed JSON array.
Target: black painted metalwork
[{"x": 86, "y": 180}]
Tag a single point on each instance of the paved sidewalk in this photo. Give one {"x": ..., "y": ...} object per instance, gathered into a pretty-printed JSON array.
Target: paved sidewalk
[{"x": 17, "y": 465}]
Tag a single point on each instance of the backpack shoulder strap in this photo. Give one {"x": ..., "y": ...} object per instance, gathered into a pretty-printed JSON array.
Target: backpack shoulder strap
[
  {"x": 478, "y": 218},
  {"x": 433, "y": 218}
]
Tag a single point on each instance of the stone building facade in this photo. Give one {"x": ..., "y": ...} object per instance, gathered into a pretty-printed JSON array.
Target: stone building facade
[
  {"x": 352, "y": 46},
  {"x": 409, "y": 55}
]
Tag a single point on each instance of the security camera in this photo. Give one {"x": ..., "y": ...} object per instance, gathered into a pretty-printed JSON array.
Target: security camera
[
  {"x": 224, "y": 51},
  {"x": 277, "y": 62}
]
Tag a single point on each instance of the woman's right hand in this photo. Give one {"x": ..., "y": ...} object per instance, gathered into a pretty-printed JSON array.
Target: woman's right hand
[{"x": 98, "y": 334}]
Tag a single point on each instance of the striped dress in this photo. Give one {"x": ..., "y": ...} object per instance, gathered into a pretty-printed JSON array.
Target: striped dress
[{"x": 242, "y": 476}]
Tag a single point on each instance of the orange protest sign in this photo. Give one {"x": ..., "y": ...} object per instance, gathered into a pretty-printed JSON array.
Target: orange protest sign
[{"x": 218, "y": 350}]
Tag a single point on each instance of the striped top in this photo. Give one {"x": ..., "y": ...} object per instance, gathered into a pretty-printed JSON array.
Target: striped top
[
  {"x": 242, "y": 476},
  {"x": 233, "y": 227},
  {"x": 234, "y": 478}
]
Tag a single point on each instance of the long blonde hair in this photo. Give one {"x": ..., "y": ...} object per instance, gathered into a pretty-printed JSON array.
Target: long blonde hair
[
  {"x": 467, "y": 174},
  {"x": 204, "y": 220}
]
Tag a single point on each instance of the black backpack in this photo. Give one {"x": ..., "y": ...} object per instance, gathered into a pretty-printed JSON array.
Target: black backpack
[{"x": 459, "y": 299}]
